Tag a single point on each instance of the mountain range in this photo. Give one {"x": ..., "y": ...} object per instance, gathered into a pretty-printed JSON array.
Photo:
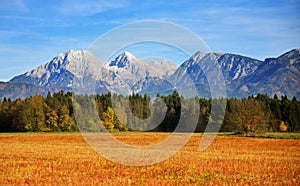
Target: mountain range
[{"x": 243, "y": 76}]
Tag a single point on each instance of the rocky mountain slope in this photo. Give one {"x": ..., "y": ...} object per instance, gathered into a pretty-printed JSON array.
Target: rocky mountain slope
[
  {"x": 126, "y": 74},
  {"x": 279, "y": 76}
]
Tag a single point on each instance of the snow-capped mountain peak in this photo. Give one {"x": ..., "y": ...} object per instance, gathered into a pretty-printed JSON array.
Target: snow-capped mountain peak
[
  {"x": 123, "y": 60},
  {"x": 130, "y": 72},
  {"x": 62, "y": 69},
  {"x": 129, "y": 55},
  {"x": 126, "y": 73}
]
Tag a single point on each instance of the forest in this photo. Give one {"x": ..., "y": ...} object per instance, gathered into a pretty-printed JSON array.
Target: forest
[{"x": 55, "y": 113}]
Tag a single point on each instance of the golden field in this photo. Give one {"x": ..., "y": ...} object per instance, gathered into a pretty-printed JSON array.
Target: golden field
[{"x": 66, "y": 159}]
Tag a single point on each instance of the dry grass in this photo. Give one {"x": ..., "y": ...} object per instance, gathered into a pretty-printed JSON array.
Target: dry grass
[{"x": 66, "y": 159}]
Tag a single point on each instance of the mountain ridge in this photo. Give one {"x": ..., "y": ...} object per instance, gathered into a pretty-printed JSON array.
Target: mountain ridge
[{"x": 127, "y": 73}]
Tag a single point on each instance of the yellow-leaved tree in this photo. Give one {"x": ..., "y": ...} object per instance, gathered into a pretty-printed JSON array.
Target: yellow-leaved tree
[
  {"x": 283, "y": 126},
  {"x": 108, "y": 119},
  {"x": 65, "y": 122}
]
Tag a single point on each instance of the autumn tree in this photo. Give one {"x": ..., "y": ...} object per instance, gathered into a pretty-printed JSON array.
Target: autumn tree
[
  {"x": 248, "y": 116},
  {"x": 55, "y": 112},
  {"x": 52, "y": 121},
  {"x": 108, "y": 118},
  {"x": 64, "y": 121}
]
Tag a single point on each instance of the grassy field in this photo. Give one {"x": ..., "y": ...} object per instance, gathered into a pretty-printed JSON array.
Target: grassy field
[{"x": 66, "y": 159}]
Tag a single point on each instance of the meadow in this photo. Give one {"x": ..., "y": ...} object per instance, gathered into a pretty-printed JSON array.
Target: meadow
[{"x": 66, "y": 159}]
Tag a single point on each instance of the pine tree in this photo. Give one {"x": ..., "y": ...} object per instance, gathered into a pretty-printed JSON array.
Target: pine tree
[{"x": 276, "y": 117}]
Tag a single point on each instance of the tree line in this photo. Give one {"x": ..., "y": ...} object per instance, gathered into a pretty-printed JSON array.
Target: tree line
[{"x": 55, "y": 112}]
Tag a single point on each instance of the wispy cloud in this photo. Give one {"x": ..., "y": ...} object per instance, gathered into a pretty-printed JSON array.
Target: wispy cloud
[
  {"x": 16, "y": 5},
  {"x": 87, "y": 8},
  {"x": 21, "y": 18},
  {"x": 32, "y": 31},
  {"x": 7, "y": 34}
]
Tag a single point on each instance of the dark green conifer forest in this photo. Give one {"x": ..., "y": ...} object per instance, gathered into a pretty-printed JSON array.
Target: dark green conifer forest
[{"x": 54, "y": 113}]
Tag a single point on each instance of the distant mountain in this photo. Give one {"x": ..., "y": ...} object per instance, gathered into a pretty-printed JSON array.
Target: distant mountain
[
  {"x": 234, "y": 68},
  {"x": 245, "y": 76},
  {"x": 131, "y": 74},
  {"x": 24, "y": 90},
  {"x": 61, "y": 70},
  {"x": 279, "y": 76},
  {"x": 126, "y": 74}
]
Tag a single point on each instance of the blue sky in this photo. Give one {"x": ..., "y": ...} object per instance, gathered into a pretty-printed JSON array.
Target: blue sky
[{"x": 32, "y": 32}]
